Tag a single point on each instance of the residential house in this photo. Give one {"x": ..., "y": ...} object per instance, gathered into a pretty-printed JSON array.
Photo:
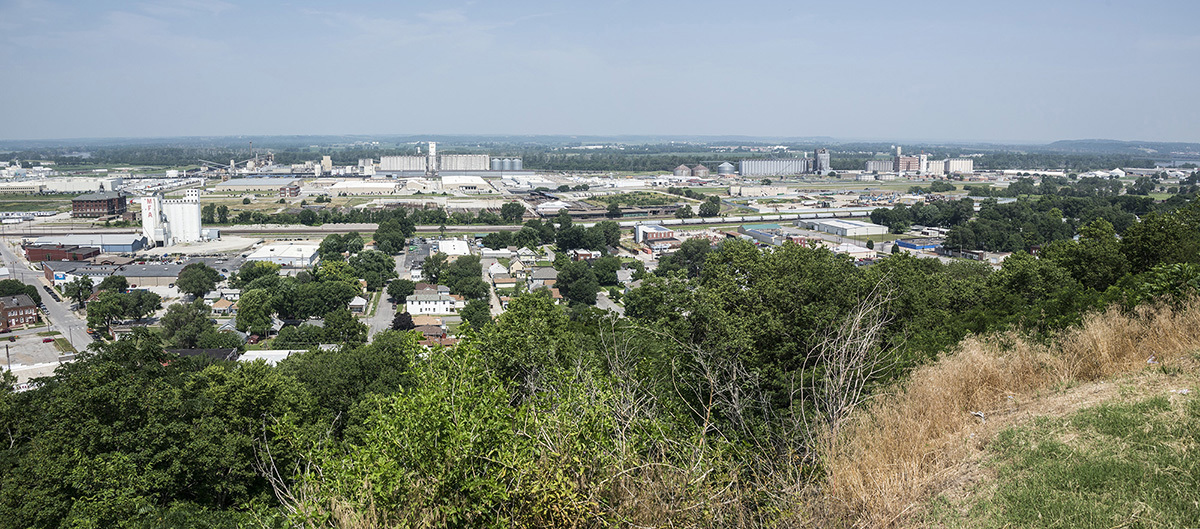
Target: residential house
[
  {"x": 17, "y": 311},
  {"x": 430, "y": 304},
  {"x": 497, "y": 268},
  {"x": 224, "y": 307},
  {"x": 518, "y": 268},
  {"x": 358, "y": 305}
]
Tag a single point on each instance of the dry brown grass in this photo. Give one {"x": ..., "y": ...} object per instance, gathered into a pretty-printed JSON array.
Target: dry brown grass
[{"x": 888, "y": 461}]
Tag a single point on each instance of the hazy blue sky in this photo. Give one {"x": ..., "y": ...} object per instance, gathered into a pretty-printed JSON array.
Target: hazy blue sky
[{"x": 963, "y": 70}]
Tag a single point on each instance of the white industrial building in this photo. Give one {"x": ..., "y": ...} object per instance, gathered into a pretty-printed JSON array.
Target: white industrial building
[
  {"x": 879, "y": 166},
  {"x": 286, "y": 254},
  {"x": 463, "y": 162},
  {"x": 960, "y": 165},
  {"x": 466, "y": 184},
  {"x": 788, "y": 166},
  {"x": 171, "y": 221},
  {"x": 846, "y": 228},
  {"x": 756, "y": 191},
  {"x": 63, "y": 185},
  {"x": 453, "y": 248},
  {"x": 403, "y": 163},
  {"x": 364, "y": 187}
]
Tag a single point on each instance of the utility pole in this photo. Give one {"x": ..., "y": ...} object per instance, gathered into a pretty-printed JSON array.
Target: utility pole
[{"x": 8, "y": 357}]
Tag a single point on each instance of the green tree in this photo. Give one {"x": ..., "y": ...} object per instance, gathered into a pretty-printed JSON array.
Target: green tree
[
  {"x": 400, "y": 289},
  {"x": 114, "y": 283},
  {"x": 184, "y": 324},
  {"x": 1095, "y": 260},
  {"x": 222, "y": 214},
  {"x": 870, "y": 244},
  {"x": 140, "y": 304},
  {"x": 709, "y": 209},
  {"x": 512, "y": 212},
  {"x": 374, "y": 266},
  {"x": 246, "y": 201},
  {"x": 403, "y": 322},
  {"x": 208, "y": 213},
  {"x": 104, "y": 310},
  {"x": 685, "y": 212},
  {"x": 606, "y": 269},
  {"x": 14, "y": 287},
  {"x": 253, "y": 270},
  {"x": 433, "y": 267},
  {"x": 78, "y": 290},
  {"x": 478, "y": 313},
  {"x": 254, "y": 312},
  {"x": 577, "y": 283},
  {"x": 614, "y": 211},
  {"x": 197, "y": 279},
  {"x": 343, "y": 327}
]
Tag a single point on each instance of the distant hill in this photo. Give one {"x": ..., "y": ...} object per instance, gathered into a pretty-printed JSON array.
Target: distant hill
[{"x": 1139, "y": 148}]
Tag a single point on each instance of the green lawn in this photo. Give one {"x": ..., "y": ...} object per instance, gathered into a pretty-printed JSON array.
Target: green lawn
[
  {"x": 64, "y": 346},
  {"x": 1119, "y": 464}
]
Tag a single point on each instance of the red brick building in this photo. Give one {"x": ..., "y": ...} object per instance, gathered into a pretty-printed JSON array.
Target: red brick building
[
  {"x": 36, "y": 253},
  {"x": 16, "y": 311},
  {"x": 102, "y": 204}
]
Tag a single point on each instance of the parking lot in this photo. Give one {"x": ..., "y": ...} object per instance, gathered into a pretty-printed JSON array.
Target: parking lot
[{"x": 31, "y": 356}]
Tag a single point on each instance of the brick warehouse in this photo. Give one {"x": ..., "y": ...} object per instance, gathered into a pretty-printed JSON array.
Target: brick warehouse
[{"x": 102, "y": 204}]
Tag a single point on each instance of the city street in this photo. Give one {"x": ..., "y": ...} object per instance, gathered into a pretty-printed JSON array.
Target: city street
[
  {"x": 58, "y": 314},
  {"x": 385, "y": 313}
]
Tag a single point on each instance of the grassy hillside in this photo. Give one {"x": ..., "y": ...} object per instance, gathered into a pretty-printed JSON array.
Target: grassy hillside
[{"x": 1089, "y": 430}]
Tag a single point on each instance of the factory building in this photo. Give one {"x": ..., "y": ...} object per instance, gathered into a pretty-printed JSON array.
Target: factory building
[
  {"x": 960, "y": 166},
  {"x": 821, "y": 162},
  {"x": 286, "y": 254},
  {"x": 846, "y": 228},
  {"x": 36, "y": 253},
  {"x": 650, "y": 232},
  {"x": 879, "y": 166},
  {"x": 464, "y": 162},
  {"x": 248, "y": 185},
  {"x": 906, "y": 164},
  {"x": 466, "y": 184},
  {"x": 936, "y": 167},
  {"x": 776, "y": 167},
  {"x": 403, "y": 163},
  {"x": 365, "y": 187},
  {"x": 101, "y": 204},
  {"x": 171, "y": 221},
  {"x": 756, "y": 191},
  {"x": 106, "y": 242}
]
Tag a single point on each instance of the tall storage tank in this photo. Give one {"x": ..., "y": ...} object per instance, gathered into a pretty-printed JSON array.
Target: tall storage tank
[
  {"x": 518, "y": 165},
  {"x": 506, "y": 165},
  {"x": 497, "y": 164}
]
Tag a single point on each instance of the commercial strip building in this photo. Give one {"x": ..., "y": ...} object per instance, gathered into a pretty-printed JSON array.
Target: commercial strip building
[
  {"x": 100, "y": 204},
  {"x": 289, "y": 255}
]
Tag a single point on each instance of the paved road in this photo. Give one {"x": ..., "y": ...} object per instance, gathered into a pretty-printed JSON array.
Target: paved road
[
  {"x": 58, "y": 314},
  {"x": 603, "y": 302},
  {"x": 385, "y": 313}
]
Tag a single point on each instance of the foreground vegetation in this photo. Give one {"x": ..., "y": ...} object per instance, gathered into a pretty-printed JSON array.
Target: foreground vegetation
[{"x": 734, "y": 395}]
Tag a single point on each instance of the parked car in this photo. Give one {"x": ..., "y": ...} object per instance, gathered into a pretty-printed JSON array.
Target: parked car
[{"x": 47, "y": 340}]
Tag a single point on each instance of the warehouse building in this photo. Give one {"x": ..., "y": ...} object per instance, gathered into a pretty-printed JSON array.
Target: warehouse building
[
  {"x": 780, "y": 167},
  {"x": 846, "y": 228},
  {"x": 286, "y": 254},
  {"x": 466, "y": 184},
  {"x": 106, "y": 242},
  {"x": 248, "y": 185},
  {"x": 650, "y": 232},
  {"x": 36, "y": 253}
]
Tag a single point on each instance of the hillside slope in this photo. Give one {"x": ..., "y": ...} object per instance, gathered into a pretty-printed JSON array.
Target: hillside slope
[{"x": 921, "y": 455}]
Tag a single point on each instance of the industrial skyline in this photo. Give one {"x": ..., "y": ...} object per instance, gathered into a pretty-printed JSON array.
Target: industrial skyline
[{"x": 1006, "y": 72}]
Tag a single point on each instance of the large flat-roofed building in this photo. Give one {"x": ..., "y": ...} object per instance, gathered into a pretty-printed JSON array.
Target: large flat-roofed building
[
  {"x": 365, "y": 187},
  {"x": 847, "y": 228},
  {"x": 757, "y": 191},
  {"x": 466, "y": 184},
  {"x": 16, "y": 311},
  {"x": 36, "y": 253},
  {"x": 463, "y": 162},
  {"x": 159, "y": 275},
  {"x": 879, "y": 166},
  {"x": 960, "y": 165},
  {"x": 403, "y": 163},
  {"x": 101, "y": 204},
  {"x": 780, "y": 167},
  {"x": 286, "y": 254},
  {"x": 644, "y": 233},
  {"x": 106, "y": 242},
  {"x": 453, "y": 248},
  {"x": 430, "y": 304},
  {"x": 243, "y": 185}
]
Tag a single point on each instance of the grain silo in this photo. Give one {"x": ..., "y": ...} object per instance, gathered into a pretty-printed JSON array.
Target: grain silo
[
  {"x": 725, "y": 169},
  {"x": 700, "y": 171}
]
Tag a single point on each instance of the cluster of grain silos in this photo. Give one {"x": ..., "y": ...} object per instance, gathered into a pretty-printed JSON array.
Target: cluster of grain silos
[
  {"x": 698, "y": 171},
  {"x": 507, "y": 164}
]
